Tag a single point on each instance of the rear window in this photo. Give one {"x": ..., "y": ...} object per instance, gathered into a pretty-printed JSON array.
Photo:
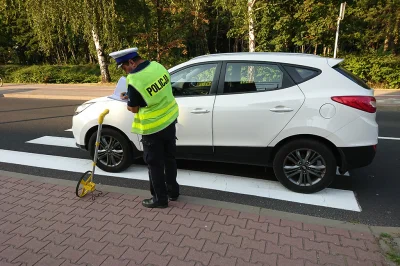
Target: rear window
[
  {"x": 351, "y": 76},
  {"x": 301, "y": 74}
]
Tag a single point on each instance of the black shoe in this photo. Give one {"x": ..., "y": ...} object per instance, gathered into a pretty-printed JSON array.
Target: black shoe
[
  {"x": 173, "y": 198},
  {"x": 150, "y": 203}
]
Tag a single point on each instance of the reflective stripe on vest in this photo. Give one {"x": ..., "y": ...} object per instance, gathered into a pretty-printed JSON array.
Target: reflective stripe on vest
[{"x": 153, "y": 83}]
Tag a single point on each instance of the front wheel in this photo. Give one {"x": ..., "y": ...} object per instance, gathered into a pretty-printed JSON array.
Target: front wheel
[
  {"x": 305, "y": 166},
  {"x": 114, "y": 154}
]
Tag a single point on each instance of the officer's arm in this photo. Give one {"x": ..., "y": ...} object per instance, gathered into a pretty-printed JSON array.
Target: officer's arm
[
  {"x": 133, "y": 109},
  {"x": 132, "y": 104}
]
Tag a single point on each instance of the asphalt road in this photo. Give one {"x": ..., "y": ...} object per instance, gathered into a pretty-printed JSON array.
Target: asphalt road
[{"x": 376, "y": 186}]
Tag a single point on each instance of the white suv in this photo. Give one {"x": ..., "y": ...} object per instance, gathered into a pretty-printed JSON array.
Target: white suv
[{"x": 303, "y": 115}]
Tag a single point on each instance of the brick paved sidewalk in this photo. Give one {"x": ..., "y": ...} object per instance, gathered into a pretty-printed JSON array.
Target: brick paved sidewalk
[{"x": 45, "y": 224}]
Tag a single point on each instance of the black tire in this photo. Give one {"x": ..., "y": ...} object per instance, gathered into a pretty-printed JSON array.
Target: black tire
[
  {"x": 303, "y": 145},
  {"x": 84, "y": 177},
  {"x": 127, "y": 156}
]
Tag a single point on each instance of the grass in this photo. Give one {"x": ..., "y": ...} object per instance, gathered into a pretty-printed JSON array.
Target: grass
[
  {"x": 394, "y": 253},
  {"x": 394, "y": 257}
]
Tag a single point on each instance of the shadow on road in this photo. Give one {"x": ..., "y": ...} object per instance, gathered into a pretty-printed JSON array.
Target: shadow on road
[
  {"x": 34, "y": 119},
  {"x": 38, "y": 108},
  {"x": 15, "y": 91}
]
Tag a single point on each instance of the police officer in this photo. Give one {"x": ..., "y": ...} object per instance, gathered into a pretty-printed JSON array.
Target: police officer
[{"x": 150, "y": 98}]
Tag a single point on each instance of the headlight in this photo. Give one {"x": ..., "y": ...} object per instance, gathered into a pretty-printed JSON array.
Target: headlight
[{"x": 82, "y": 107}]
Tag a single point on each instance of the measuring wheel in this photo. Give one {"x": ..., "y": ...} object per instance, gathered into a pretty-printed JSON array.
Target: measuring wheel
[{"x": 85, "y": 184}]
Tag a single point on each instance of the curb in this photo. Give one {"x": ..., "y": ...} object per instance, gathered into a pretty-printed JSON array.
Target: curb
[
  {"x": 376, "y": 230},
  {"x": 388, "y": 107}
]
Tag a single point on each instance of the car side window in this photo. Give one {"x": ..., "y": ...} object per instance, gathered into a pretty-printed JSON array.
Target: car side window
[
  {"x": 301, "y": 74},
  {"x": 252, "y": 77},
  {"x": 193, "y": 81}
]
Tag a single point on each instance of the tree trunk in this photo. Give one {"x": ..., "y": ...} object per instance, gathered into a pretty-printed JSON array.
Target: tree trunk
[
  {"x": 252, "y": 44},
  {"x": 205, "y": 42},
  {"x": 324, "y": 51},
  {"x": 58, "y": 57},
  {"x": 105, "y": 75},
  {"x": 396, "y": 37},
  {"x": 329, "y": 51},
  {"x": 74, "y": 56},
  {"x": 64, "y": 55},
  {"x": 158, "y": 37},
  {"x": 315, "y": 50},
  {"x": 302, "y": 48},
  {"x": 216, "y": 33},
  {"x": 236, "y": 44},
  {"x": 386, "y": 44}
]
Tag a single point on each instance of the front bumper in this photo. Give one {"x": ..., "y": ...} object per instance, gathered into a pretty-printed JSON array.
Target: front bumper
[{"x": 356, "y": 157}]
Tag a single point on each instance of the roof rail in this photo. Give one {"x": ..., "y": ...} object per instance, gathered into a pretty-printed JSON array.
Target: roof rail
[{"x": 252, "y": 53}]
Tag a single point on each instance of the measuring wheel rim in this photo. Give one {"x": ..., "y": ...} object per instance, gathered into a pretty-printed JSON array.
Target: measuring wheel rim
[{"x": 84, "y": 181}]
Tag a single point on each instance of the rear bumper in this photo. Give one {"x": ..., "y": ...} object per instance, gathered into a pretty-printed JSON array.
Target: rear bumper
[{"x": 356, "y": 157}]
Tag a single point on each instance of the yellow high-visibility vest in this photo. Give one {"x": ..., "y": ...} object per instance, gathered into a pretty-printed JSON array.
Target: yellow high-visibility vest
[{"x": 153, "y": 83}]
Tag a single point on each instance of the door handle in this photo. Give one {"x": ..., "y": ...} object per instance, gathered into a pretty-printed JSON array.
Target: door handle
[
  {"x": 199, "y": 111},
  {"x": 281, "y": 109}
]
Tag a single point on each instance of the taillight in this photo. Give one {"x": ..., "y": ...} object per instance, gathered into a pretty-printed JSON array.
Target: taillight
[{"x": 364, "y": 103}]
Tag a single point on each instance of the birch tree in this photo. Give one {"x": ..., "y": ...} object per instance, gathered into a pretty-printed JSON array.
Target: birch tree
[
  {"x": 92, "y": 18},
  {"x": 252, "y": 42},
  {"x": 243, "y": 10}
]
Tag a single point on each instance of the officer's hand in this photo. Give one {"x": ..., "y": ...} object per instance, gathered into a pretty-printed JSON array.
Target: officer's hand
[{"x": 123, "y": 96}]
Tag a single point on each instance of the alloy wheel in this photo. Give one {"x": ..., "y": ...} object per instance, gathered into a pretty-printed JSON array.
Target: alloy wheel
[
  {"x": 304, "y": 167},
  {"x": 110, "y": 151}
]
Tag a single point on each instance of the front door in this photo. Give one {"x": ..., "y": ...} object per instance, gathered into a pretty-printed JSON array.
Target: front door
[{"x": 194, "y": 88}]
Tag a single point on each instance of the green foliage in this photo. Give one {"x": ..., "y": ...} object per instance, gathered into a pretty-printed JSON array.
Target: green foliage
[
  {"x": 60, "y": 32},
  {"x": 380, "y": 71},
  {"x": 56, "y": 74}
]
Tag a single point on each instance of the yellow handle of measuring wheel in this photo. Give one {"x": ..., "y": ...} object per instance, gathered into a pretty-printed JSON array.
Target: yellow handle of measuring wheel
[{"x": 102, "y": 115}]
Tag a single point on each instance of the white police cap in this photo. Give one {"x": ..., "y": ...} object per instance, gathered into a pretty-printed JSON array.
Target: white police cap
[{"x": 124, "y": 55}]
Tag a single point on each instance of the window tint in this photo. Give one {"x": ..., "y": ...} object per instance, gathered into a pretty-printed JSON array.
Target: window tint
[
  {"x": 192, "y": 81},
  {"x": 300, "y": 74},
  {"x": 249, "y": 77},
  {"x": 351, "y": 76}
]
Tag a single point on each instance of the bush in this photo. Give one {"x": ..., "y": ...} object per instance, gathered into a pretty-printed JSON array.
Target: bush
[
  {"x": 56, "y": 74},
  {"x": 50, "y": 74},
  {"x": 379, "y": 71}
]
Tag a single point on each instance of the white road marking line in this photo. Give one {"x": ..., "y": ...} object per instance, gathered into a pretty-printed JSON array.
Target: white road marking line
[
  {"x": 333, "y": 198},
  {"x": 389, "y": 138},
  {"x": 55, "y": 141},
  {"x": 70, "y": 142},
  {"x": 69, "y": 130}
]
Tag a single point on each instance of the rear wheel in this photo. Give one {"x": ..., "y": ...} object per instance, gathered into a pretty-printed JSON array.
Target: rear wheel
[
  {"x": 114, "y": 154},
  {"x": 305, "y": 166}
]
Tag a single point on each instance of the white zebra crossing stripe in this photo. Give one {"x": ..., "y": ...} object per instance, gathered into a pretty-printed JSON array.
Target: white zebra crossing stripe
[
  {"x": 333, "y": 198},
  {"x": 70, "y": 143},
  {"x": 54, "y": 141}
]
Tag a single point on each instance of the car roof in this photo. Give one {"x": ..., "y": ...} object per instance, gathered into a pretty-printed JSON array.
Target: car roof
[
  {"x": 291, "y": 58},
  {"x": 310, "y": 60}
]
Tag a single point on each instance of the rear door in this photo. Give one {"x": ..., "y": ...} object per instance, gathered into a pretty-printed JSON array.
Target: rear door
[{"x": 255, "y": 101}]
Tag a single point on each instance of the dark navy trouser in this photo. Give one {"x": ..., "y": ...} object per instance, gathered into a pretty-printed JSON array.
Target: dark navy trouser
[{"x": 159, "y": 150}]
